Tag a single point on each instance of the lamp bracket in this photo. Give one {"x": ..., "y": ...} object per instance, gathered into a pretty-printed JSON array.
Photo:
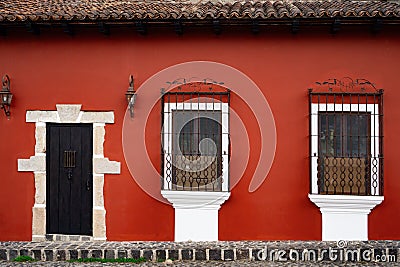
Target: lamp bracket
[{"x": 6, "y": 95}]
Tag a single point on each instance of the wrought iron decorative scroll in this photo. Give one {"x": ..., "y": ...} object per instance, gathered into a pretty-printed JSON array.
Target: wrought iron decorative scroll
[
  {"x": 345, "y": 85},
  {"x": 193, "y": 84}
]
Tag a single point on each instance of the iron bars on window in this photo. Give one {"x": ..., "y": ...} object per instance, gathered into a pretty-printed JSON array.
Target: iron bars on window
[
  {"x": 195, "y": 138},
  {"x": 346, "y": 141}
]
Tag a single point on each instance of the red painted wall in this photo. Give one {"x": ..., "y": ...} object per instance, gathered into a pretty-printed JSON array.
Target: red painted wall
[{"x": 93, "y": 70}]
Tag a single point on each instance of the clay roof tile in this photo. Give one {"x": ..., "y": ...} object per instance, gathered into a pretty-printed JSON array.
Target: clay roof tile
[{"x": 92, "y": 10}]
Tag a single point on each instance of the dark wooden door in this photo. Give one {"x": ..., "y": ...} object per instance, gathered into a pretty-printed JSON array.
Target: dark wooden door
[{"x": 69, "y": 181}]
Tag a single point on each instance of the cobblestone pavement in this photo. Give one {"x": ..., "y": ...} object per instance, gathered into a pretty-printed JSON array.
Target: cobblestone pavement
[
  {"x": 191, "y": 264},
  {"x": 221, "y": 253}
]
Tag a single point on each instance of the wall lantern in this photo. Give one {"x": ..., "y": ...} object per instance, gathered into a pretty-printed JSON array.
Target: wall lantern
[
  {"x": 131, "y": 95},
  {"x": 6, "y": 95}
]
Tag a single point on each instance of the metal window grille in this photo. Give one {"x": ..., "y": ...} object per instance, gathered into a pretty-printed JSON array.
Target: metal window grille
[
  {"x": 194, "y": 151},
  {"x": 69, "y": 158},
  {"x": 346, "y": 141}
]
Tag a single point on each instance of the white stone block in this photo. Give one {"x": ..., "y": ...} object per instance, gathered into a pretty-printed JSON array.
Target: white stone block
[
  {"x": 38, "y": 238},
  {"x": 38, "y": 221},
  {"x": 40, "y": 188},
  {"x": 40, "y": 135},
  {"x": 104, "y": 165},
  {"x": 98, "y": 117},
  {"x": 34, "y": 164},
  {"x": 68, "y": 113},
  {"x": 98, "y": 196},
  {"x": 99, "y": 224},
  {"x": 41, "y": 116},
  {"x": 98, "y": 140}
]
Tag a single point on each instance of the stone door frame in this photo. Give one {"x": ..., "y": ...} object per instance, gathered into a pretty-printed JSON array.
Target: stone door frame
[{"x": 69, "y": 113}]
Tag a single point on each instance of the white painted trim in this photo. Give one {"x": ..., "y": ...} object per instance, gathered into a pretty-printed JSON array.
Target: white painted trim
[
  {"x": 316, "y": 108},
  {"x": 345, "y": 217},
  {"x": 37, "y": 163},
  {"x": 196, "y": 213},
  {"x": 167, "y": 146}
]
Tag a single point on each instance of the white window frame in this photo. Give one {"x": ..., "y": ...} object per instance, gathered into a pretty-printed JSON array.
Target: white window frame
[
  {"x": 198, "y": 106},
  {"x": 373, "y": 109}
]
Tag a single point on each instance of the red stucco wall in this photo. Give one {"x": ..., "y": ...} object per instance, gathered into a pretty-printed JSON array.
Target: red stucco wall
[{"x": 93, "y": 70}]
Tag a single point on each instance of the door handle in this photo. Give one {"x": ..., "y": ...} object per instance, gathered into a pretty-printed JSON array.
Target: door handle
[
  {"x": 87, "y": 185},
  {"x": 69, "y": 173}
]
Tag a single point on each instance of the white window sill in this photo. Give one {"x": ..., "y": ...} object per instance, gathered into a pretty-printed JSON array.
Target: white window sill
[
  {"x": 195, "y": 199},
  {"x": 346, "y": 203},
  {"x": 345, "y": 217}
]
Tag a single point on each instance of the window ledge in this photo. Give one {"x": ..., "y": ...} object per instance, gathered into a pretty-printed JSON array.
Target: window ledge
[
  {"x": 345, "y": 203},
  {"x": 195, "y": 199},
  {"x": 345, "y": 217}
]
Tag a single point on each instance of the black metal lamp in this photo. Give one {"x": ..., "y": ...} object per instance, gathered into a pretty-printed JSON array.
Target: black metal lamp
[
  {"x": 6, "y": 95},
  {"x": 131, "y": 95}
]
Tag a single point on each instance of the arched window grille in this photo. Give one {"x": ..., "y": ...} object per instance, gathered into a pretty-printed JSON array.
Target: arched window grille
[{"x": 346, "y": 140}]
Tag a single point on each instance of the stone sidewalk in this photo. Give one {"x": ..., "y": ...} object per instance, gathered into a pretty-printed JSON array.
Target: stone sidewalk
[
  {"x": 244, "y": 253},
  {"x": 189, "y": 264}
]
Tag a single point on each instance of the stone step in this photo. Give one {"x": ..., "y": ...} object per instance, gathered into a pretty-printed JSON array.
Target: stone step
[{"x": 342, "y": 251}]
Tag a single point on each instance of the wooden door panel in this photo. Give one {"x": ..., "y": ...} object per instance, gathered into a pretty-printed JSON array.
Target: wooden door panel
[
  {"x": 75, "y": 193},
  {"x": 86, "y": 183},
  {"x": 52, "y": 184},
  {"x": 63, "y": 210},
  {"x": 69, "y": 172}
]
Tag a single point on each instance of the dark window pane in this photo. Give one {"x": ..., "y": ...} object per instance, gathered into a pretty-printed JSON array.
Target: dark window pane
[
  {"x": 344, "y": 134},
  {"x": 197, "y": 145},
  {"x": 197, "y": 132}
]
